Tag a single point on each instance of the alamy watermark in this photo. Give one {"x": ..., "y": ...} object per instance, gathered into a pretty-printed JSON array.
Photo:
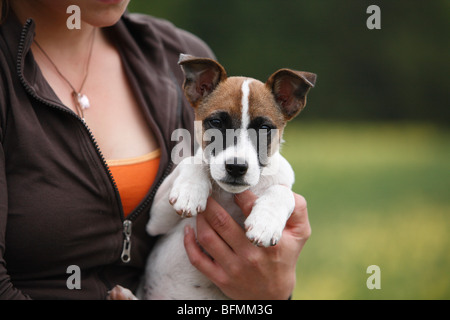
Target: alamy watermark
[
  {"x": 74, "y": 280},
  {"x": 74, "y": 20},
  {"x": 374, "y": 280},
  {"x": 374, "y": 20}
]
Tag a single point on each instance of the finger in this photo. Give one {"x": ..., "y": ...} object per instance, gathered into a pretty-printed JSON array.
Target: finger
[
  {"x": 214, "y": 245},
  {"x": 210, "y": 240},
  {"x": 298, "y": 223},
  {"x": 197, "y": 257},
  {"x": 245, "y": 201},
  {"x": 120, "y": 293},
  {"x": 224, "y": 225}
]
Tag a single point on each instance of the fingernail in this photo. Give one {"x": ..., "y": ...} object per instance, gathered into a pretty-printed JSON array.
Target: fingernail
[{"x": 187, "y": 230}]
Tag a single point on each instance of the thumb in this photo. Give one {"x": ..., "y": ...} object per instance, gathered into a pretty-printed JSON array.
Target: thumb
[{"x": 298, "y": 223}]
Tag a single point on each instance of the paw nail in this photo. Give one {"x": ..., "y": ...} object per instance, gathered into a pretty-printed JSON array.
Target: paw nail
[{"x": 186, "y": 214}]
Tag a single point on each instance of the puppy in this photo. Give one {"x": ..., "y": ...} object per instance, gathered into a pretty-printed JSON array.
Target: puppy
[{"x": 241, "y": 124}]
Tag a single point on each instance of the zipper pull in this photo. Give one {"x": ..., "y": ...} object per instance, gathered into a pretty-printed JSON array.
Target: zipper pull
[{"x": 126, "y": 251}]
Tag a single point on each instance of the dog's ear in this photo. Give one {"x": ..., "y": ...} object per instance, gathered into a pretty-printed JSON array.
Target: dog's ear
[
  {"x": 289, "y": 89},
  {"x": 202, "y": 75}
]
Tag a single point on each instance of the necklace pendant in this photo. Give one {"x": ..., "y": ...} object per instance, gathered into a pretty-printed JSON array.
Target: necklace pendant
[{"x": 83, "y": 101}]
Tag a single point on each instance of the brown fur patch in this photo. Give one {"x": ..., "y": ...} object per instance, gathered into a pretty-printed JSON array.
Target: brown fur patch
[
  {"x": 226, "y": 97},
  {"x": 262, "y": 104}
]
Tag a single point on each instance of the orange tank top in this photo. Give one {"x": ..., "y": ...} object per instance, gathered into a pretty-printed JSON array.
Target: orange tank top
[{"x": 134, "y": 177}]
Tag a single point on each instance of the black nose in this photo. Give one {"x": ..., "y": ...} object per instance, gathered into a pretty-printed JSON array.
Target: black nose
[{"x": 237, "y": 169}]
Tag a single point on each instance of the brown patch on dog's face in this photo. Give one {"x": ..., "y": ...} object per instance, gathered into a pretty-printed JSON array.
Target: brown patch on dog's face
[
  {"x": 264, "y": 112},
  {"x": 262, "y": 104},
  {"x": 226, "y": 97}
]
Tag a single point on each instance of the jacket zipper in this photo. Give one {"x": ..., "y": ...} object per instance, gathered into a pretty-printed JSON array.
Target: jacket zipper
[
  {"x": 126, "y": 251},
  {"x": 127, "y": 223}
]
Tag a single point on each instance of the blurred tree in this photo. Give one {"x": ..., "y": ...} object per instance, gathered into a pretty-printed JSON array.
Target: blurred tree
[{"x": 399, "y": 72}]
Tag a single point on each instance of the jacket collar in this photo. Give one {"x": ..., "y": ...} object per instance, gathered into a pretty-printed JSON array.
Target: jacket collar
[{"x": 11, "y": 30}]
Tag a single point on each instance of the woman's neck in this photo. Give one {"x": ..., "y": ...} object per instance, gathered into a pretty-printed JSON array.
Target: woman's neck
[{"x": 52, "y": 32}]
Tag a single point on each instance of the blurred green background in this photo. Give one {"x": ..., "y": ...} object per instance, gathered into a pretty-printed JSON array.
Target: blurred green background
[{"x": 371, "y": 151}]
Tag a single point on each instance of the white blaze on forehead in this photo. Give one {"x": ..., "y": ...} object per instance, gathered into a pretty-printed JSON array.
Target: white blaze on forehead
[
  {"x": 242, "y": 151},
  {"x": 245, "y": 104}
]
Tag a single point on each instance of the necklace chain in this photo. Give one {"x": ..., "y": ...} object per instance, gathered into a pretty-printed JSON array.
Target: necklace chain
[{"x": 81, "y": 100}]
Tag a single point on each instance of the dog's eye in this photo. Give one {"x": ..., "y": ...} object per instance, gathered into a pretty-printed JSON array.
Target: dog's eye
[
  {"x": 262, "y": 124},
  {"x": 215, "y": 123},
  {"x": 266, "y": 129}
]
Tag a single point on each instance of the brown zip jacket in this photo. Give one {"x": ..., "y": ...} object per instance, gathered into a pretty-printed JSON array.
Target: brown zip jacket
[{"x": 59, "y": 206}]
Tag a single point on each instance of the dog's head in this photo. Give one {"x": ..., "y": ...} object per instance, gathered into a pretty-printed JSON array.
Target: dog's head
[{"x": 242, "y": 118}]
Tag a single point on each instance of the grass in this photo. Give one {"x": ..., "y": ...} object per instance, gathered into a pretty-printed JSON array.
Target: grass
[{"x": 378, "y": 194}]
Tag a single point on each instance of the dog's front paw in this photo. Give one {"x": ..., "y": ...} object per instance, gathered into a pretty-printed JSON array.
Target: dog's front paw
[
  {"x": 263, "y": 228},
  {"x": 188, "y": 198}
]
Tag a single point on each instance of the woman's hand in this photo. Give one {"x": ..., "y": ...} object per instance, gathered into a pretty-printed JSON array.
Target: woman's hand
[
  {"x": 240, "y": 269},
  {"x": 120, "y": 293}
]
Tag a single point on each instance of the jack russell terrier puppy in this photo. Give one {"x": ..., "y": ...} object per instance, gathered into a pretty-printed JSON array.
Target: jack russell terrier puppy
[{"x": 242, "y": 121}]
